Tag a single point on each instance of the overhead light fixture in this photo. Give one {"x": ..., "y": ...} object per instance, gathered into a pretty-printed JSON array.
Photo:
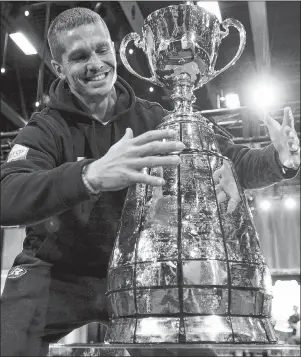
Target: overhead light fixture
[
  {"x": 23, "y": 43},
  {"x": 232, "y": 100},
  {"x": 211, "y": 6}
]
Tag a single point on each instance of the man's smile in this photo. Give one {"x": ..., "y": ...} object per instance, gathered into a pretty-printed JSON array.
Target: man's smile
[{"x": 98, "y": 77}]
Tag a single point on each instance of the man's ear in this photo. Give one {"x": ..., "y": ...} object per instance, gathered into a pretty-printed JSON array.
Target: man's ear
[{"x": 58, "y": 69}]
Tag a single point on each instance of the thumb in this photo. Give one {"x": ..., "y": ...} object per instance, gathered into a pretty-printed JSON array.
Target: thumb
[
  {"x": 128, "y": 134},
  {"x": 288, "y": 119}
]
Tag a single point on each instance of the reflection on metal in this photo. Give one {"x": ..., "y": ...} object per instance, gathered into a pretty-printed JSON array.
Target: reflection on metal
[
  {"x": 254, "y": 139},
  {"x": 4, "y": 50},
  {"x": 12, "y": 115},
  {"x": 9, "y": 134},
  {"x": 184, "y": 269},
  {"x": 96, "y": 349}
]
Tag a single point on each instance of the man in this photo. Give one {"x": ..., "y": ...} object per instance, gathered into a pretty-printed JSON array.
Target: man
[{"x": 66, "y": 177}]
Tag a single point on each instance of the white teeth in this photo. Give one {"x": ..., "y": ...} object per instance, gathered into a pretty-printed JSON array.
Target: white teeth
[{"x": 98, "y": 78}]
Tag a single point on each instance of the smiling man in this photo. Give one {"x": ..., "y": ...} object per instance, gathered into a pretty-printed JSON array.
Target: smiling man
[
  {"x": 66, "y": 178},
  {"x": 85, "y": 57}
]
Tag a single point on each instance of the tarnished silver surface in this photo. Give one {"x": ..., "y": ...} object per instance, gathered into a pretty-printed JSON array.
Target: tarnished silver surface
[{"x": 183, "y": 270}]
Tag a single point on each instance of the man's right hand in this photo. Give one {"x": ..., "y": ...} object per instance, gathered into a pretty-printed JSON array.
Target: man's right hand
[{"x": 122, "y": 165}]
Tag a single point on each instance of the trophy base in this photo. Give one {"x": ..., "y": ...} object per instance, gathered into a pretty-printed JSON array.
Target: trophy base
[{"x": 224, "y": 350}]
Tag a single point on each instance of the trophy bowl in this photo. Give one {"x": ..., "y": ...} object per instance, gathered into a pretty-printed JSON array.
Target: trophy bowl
[{"x": 181, "y": 43}]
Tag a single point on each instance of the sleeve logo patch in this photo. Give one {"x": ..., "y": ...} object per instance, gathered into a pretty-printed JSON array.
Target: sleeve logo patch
[
  {"x": 16, "y": 272},
  {"x": 18, "y": 152}
]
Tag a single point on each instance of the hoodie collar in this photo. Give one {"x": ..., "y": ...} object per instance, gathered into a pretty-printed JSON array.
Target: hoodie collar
[{"x": 62, "y": 99}]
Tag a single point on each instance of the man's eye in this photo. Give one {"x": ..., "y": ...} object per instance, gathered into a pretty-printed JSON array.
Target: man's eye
[
  {"x": 79, "y": 57},
  {"x": 102, "y": 50}
]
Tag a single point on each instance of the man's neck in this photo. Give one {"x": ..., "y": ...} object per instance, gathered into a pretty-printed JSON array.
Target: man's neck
[{"x": 101, "y": 111}]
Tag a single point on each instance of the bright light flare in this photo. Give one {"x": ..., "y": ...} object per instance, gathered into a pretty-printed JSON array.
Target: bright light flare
[
  {"x": 151, "y": 89},
  {"x": 265, "y": 93},
  {"x": 265, "y": 205},
  {"x": 26, "y": 13},
  {"x": 37, "y": 104},
  {"x": 23, "y": 43},
  {"x": 290, "y": 203},
  {"x": 2, "y": 70},
  {"x": 232, "y": 100},
  {"x": 131, "y": 51},
  {"x": 211, "y": 6}
]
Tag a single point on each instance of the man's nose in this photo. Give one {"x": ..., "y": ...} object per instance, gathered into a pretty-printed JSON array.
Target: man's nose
[{"x": 94, "y": 64}]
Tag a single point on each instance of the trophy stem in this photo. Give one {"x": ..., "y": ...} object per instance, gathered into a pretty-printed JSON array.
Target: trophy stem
[{"x": 183, "y": 98}]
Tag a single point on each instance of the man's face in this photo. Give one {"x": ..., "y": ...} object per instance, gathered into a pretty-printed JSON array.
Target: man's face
[{"x": 88, "y": 62}]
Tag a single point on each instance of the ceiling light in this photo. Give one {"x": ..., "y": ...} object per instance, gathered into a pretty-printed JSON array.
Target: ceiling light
[
  {"x": 232, "y": 100},
  {"x": 151, "y": 89},
  {"x": 290, "y": 203},
  {"x": 265, "y": 205},
  {"x": 2, "y": 70},
  {"x": 131, "y": 51},
  {"x": 23, "y": 43},
  {"x": 26, "y": 13},
  {"x": 211, "y": 6}
]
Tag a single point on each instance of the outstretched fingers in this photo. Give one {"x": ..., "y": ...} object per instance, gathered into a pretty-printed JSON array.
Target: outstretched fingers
[
  {"x": 159, "y": 147},
  {"x": 154, "y": 135}
]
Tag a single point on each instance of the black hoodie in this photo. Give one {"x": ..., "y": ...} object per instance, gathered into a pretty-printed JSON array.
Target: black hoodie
[{"x": 41, "y": 180}]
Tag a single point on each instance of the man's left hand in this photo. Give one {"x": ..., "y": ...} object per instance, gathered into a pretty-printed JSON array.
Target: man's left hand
[{"x": 285, "y": 139}]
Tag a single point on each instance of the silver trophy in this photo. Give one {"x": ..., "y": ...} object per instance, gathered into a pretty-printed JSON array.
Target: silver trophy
[{"x": 183, "y": 270}]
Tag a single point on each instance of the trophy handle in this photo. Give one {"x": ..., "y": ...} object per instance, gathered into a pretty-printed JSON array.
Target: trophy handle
[
  {"x": 133, "y": 36},
  {"x": 242, "y": 42}
]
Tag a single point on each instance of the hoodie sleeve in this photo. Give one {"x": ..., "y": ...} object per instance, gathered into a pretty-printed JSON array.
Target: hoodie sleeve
[
  {"x": 34, "y": 186},
  {"x": 255, "y": 168}
]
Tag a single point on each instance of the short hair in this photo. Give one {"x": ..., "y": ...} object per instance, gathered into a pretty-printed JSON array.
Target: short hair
[{"x": 68, "y": 20}]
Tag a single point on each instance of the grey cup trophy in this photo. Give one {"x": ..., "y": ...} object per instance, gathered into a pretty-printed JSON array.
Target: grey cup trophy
[{"x": 183, "y": 270}]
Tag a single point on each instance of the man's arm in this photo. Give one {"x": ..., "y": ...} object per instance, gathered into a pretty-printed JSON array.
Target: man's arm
[
  {"x": 255, "y": 168},
  {"x": 34, "y": 186},
  {"x": 258, "y": 168}
]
